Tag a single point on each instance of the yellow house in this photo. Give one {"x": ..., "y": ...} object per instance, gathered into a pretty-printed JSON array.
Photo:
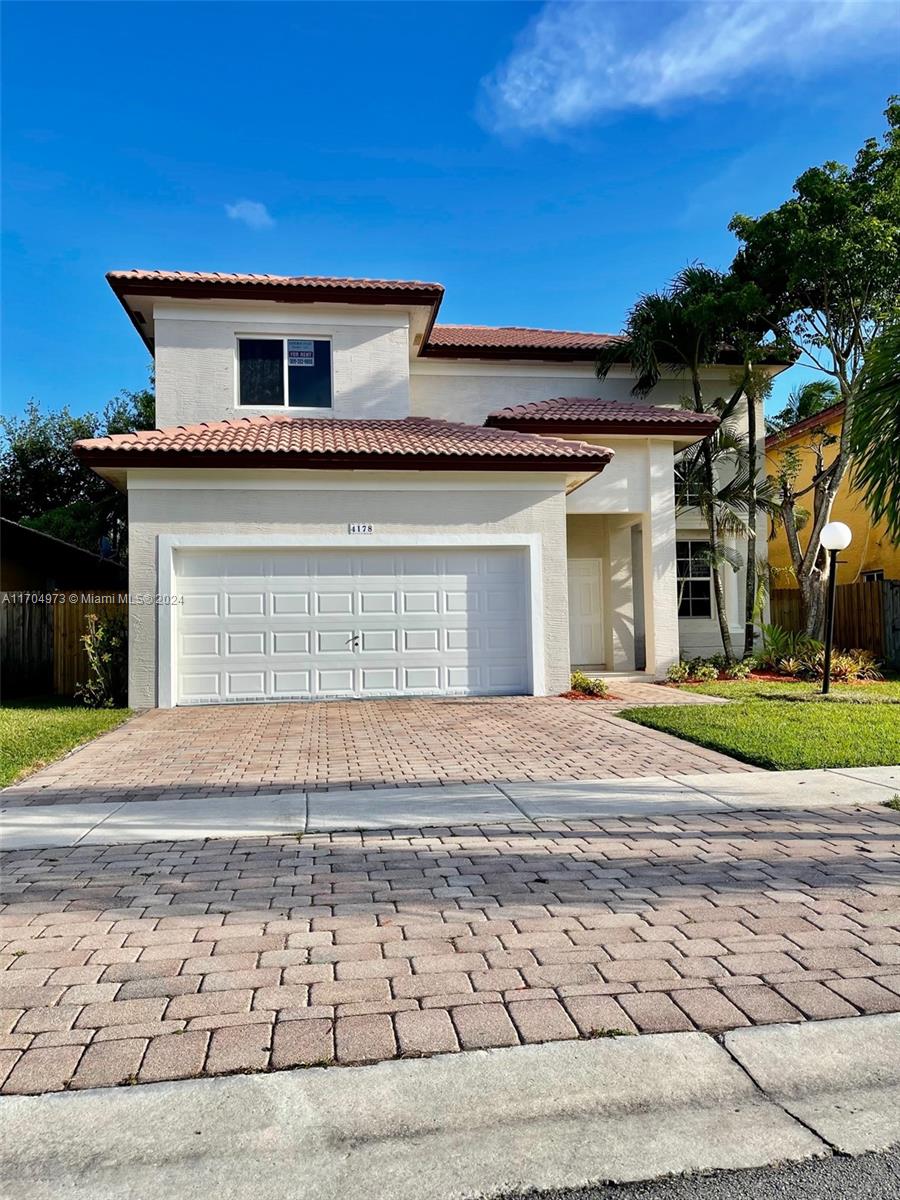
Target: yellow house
[{"x": 871, "y": 554}]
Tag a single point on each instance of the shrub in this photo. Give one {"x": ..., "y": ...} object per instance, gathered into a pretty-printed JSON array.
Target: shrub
[
  {"x": 739, "y": 670},
  {"x": 779, "y": 643},
  {"x": 106, "y": 644},
  {"x": 847, "y": 666},
  {"x": 588, "y": 686},
  {"x": 697, "y": 670},
  {"x": 678, "y": 673},
  {"x": 703, "y": 671}
]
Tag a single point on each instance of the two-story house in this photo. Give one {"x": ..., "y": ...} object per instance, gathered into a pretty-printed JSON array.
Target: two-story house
[{"x": 347, "y": 499}]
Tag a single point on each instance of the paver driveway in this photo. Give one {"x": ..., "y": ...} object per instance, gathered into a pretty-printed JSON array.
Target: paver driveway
[
  {"x": 130, "y": 964},
  {"x": 223, "y": 750}
]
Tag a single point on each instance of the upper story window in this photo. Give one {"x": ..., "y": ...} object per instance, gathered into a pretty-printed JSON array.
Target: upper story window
[
  {"x": 687, "y": 489},
  {"x": 694, "y": 579},
  {"x": 284, "y": 372}
]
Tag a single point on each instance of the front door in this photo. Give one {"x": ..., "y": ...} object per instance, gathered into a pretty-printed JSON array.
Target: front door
[{"x": 585, "y": 613}]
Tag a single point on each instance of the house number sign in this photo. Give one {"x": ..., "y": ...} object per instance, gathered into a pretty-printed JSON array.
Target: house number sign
[{"x": 360, "y": 527}]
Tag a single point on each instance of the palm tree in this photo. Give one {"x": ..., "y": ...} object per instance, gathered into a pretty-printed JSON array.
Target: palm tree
[
  {"x": 804, "y": 401},
  {"x": 876, "y": 430},
  {"x": 699, "y": 317},
  {"x": 728, "y": 505}
]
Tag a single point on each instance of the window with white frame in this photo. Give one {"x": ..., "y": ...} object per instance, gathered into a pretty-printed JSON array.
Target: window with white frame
[
  {"x": 694, "y": 578},
  {"x": 687, "y": 491},
  {"x": 873, "y": 576},
  {"x": 284, "y": 372}
]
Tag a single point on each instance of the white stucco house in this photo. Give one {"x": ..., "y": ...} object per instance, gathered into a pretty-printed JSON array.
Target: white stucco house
[{"x": 345, "y": 498}]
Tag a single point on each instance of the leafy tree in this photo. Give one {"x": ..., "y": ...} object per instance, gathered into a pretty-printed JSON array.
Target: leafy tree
[
  {"x": 43, "y": 484},
  {"x": 828, "y": 260},
  {"x": 703, "y": 317},
  {"x": 807, "y": 400},
  {"x": 876, "y": 430}
]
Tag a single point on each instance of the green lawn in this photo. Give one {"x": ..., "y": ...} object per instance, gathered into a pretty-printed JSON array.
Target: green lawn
[
  {"x": 748, "y": 689},
  {"x": 785, "y": 735},
  {"x": 35, "y": 732}
]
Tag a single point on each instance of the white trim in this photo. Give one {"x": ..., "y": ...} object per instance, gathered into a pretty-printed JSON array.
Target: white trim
[
  {"x": 276, "y": 314},
  {"x": 267, "y": 479},
  {"x": 512, "y": 368},
  {"x": 168, "y": 543}
]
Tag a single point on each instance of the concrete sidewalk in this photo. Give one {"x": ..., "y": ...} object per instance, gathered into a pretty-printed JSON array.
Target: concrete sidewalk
[
  {"x": 67, "y": 825},
  {"x": 477, "y": 1124}
]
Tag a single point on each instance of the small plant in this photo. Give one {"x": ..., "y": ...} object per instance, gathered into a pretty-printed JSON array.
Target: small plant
[
  {"x": 847, "y": 666},
  {"x": 779, "y": 643},
  {"x": 587, "y": 685},
  {"x": 106, "y": 645},
  {"x": 702, "y": 670},
  {"x": 739, "y": 670},
  {"x": 893, "y": 803},
  {"x": 678, "y": 673},
  {"x": 697, "y": 670}
]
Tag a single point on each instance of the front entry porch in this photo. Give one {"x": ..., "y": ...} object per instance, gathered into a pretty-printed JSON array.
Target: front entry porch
[{"x": 609, "y": 597}]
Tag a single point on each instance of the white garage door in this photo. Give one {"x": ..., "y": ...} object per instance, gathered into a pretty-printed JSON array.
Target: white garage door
[{"x": 296, "y": 624}]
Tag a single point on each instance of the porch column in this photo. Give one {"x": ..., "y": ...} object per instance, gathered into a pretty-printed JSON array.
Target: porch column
[{"x": 660, "y": 581}]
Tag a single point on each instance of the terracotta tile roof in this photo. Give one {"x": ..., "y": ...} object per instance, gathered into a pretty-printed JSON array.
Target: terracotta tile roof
[
  {"x": 602, "y": 416},
  {"x": 825, "y": 417},
  {"x": 217, "y": 279},
  {"x": 513, "y": 341},
  {"x": 285, "y": 441}
]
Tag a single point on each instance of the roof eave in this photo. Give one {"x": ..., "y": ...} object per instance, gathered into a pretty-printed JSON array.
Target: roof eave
[
  {"x": 122, "y": 288},
  {"x": 105, "y": 462},
  {"x": 665, "y": 429}
]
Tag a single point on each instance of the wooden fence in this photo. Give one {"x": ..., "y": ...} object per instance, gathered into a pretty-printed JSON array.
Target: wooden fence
[
  {"x": 866, "y": 616},
  {"x": 41, "y": 652}
]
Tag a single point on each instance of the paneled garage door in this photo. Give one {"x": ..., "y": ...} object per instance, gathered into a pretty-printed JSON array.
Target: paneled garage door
[{"x": 296, "y": 624}]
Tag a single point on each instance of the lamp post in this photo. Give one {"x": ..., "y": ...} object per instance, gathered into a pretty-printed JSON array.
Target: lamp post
[{"x": 834, "y": 537}]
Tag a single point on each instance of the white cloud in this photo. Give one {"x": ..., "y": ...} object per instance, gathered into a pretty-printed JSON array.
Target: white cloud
[
  {"x": 581, "y": 59},
  {"x": 252, "y": 213}
]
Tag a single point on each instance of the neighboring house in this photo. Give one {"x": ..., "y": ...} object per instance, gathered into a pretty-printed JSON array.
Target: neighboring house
[
  {"x": 32, "y": 561},
  {"x": 348, "y": 499},
  {"x": 872, "y": 554}
]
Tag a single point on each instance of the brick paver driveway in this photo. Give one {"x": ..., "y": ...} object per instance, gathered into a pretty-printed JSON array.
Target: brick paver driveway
[
  {"x": 128, "y": 964},
  {"x": 166, "y": 754}
]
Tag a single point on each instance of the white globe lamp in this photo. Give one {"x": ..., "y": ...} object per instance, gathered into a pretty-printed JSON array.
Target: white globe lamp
[{"x": 835, "y": 536}]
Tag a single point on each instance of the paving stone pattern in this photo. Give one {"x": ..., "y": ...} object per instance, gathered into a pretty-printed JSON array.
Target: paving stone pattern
[
  {"x": 246, "y": 749},
  {"x": 173, "y": 960}
]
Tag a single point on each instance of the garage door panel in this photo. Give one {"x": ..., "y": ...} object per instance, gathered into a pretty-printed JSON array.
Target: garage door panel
[
  {"x": 291, "y": 641},
  {"x": 375, "y": 640},
  {"x": 286, "y": 684},
  {"x": 292, "y": 624},
  {"x": 289, "y": 604},
  {"x": 201, "y": 604},
  {"x": 245, "y": 684}
]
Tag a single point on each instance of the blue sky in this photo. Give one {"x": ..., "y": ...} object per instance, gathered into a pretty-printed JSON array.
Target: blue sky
[{"x": 546, "y": 163}]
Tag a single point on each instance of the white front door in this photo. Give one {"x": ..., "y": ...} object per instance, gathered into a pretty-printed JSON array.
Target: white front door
[
  {"x": 287, "y": 624},
  {"x": 585, "y": 613}
]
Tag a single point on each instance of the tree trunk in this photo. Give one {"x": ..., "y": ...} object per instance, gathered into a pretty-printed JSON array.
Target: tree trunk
[
  {"x": 750, "y": 583},
  {"x": 714, "y": 556}
]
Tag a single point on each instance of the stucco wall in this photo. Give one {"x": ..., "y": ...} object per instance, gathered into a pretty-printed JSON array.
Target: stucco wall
[
  {"x": 196, "y": 359},
  {"x": 466, "y": 391},
  {"x": 871, "y": 549},
  {"x": 262, "y": 512}
]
